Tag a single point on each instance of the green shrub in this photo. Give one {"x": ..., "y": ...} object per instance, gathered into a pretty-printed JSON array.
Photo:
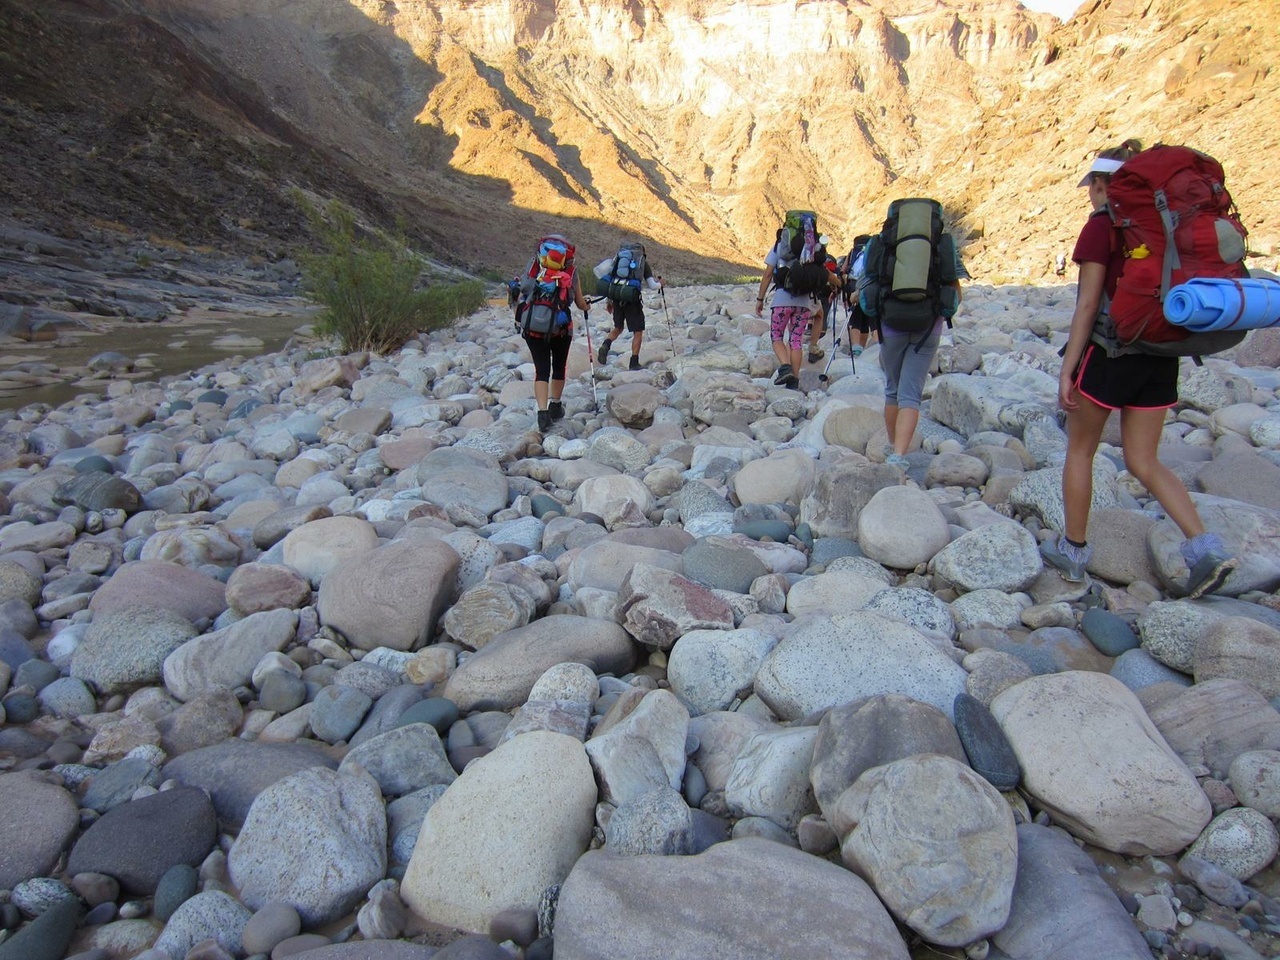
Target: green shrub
[{"x": 368, "y": 286}]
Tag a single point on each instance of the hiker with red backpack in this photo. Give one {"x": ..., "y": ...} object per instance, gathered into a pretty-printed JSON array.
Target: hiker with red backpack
[
  {"x": 549, "y": 287},
  {"x": 1150, "y": 208}
]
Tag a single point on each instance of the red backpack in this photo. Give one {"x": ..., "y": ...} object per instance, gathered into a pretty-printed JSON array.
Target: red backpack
[{"x": 1176, "y": 221}]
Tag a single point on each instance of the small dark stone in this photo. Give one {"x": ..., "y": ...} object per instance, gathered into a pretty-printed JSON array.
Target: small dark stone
[
  {"x": 21, "y": 743},
  {"x": 540, "y": 949},
  {"x": 1129, "y": 901},
  {"x": 1250, "y": 924},
  {"x": 1156, "y": 939},
  {"x": 36, "y": 674},
  {"x": 118, "y": 782},
  {"x": 47, "y": 936},
  {"x": 244, "y": 408},
  {"x": 95, "y": 463},
  {"x": 1110, "y": 634},
  {"x": 776, "y": 530},
  {"x": 21, "y": 708},
  {"x": 440, "y": 712},
  {"x": 1189, "y": 897},
  {"x": 989, "y": 751},
  {"x": 473, "y": 947},
  {"x": 460, "y": 757},
  {"x": 518, "y": 925},
  {"x": 213, "y": 396},
  {"x": 102, "y": 913},
  {"x": 177, "y": 405},
  {"x": 15, "y": 649},
  {"x": 541, "y": 504},
  {"x": 176, "y": 887},
  {"x": 9, "y": 916},
  {"x": 100, "y": 491},
  {"x": 139, "y": 841}
]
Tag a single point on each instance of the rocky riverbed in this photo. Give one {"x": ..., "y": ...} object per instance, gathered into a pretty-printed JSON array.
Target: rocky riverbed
[{"x": 337, "y": 657}]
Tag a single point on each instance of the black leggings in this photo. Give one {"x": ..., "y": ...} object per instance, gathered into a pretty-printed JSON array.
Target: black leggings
[{"x": 550, "y": 356}]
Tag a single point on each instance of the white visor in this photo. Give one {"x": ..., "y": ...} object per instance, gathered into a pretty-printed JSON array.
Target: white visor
[{"x": 1101, "y": 165}]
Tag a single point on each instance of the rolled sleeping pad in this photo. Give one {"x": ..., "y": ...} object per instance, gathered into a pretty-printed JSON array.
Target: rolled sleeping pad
[
  {"x": 1205, "y": 304},
  {"x": 913, "y": 252}
]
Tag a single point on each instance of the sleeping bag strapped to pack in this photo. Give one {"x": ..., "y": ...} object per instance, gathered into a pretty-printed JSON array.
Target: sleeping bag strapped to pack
[
  {"x": 625, "y": 276},
  {"x": 1175, "y": 221},
  {"x": 801, "y": 268},
  {"x": 910, "y": 268},
  {"x": 546, "y": 290}
]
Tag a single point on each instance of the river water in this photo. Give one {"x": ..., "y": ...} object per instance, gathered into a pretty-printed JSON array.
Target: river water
[{"x": 56, "y": 371}]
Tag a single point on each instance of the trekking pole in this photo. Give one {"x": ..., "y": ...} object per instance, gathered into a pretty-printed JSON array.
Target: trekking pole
[
  {"x": 591, "y": 356},
  {"x": 662, "y": 289},
  {"x": 835, "y": 347}
]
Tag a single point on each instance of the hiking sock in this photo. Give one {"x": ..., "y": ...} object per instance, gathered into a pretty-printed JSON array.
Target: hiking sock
[
  {"x": 1075, "y": 552},
  {"x": 1195, "y": 549}
]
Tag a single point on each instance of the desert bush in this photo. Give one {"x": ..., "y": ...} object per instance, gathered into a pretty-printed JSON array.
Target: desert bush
[{"x": 368, "y": 286}]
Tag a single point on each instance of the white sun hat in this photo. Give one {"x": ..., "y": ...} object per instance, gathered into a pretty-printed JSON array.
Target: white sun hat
[{"x": 1101, "y": 165}]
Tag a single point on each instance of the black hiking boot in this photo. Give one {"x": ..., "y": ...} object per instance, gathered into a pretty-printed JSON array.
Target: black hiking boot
[
  {"x": 544, "y": 421},
  {"x": 783, "y": 374},
  {"x": 602, "y": 355},
  {"x": 635, "y": 362},
  {"x": 556, "y": 409}
]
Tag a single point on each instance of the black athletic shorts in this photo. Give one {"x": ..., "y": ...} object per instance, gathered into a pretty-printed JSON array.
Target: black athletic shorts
[
  {"x": 858, "y": 320},
  {"x": 1136, "y": 380},
  {"x": 632, "y": 314}
]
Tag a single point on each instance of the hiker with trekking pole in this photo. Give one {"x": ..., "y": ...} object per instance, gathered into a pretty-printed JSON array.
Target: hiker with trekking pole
[
  {"x": 795, "y": 269},
  {"x": 619, "y": 279}
]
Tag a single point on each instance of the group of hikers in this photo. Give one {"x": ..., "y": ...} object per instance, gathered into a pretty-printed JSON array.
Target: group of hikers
[{"x": 902, "y": 285}]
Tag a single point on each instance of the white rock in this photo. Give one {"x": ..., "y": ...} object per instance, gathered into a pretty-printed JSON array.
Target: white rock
[
  {"x": 511, "y": 825},
  {"x": 1091, "y": 757},
  {"x": 902, "y": 527}
]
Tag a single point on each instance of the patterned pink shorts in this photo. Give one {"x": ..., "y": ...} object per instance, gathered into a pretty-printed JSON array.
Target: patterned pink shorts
[{"x": 796, "y": 318}]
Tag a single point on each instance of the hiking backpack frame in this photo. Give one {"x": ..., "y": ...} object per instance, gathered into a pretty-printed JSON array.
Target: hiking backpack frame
[
  {"x": 910, "y": 271},
  {"x": 546, "y": 289},
  {"x": 626, "y": 275},
  {"x": 801, "y": 269},
  {"x": 1175, "y": 221}
]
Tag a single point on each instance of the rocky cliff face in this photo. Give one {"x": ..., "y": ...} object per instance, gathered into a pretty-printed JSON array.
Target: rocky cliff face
[{"x": 693, "y": 123}]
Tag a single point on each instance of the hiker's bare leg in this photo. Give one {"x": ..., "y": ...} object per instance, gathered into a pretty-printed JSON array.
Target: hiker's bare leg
[
  {"x": 1084, "y": 430},
  {"x": 1140, "y": 435},
  {"x": 797, "y": 360},
  {"x": 557, "y": 388},
  {"x": 904, "y": 427},
  {"x": 540, "y": 393},
  {"x": 636, "y": 339},
  {"x": 780, "y": 351}
]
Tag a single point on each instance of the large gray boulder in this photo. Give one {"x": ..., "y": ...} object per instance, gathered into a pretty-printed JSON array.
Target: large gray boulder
[
  {"x": 37, "y": 820},
  {"x": 225, "y": 659},
  {"x": 826, "y": 661},
  {"x": 1091, "y": 757},
  {"x": 871, "y": 732},
  {"x": 511, "y": 825},
  {"x": 936, "y": 841},
  {"x": 1062, "y": 909},
  {"x": 390, "y": 596},
  {"x": 317, "y": 840},
  {"x": 721, "y": 905}
]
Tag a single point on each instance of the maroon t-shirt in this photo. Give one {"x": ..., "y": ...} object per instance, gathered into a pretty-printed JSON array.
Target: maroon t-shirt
[{"x": 1097, "y": 244}]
